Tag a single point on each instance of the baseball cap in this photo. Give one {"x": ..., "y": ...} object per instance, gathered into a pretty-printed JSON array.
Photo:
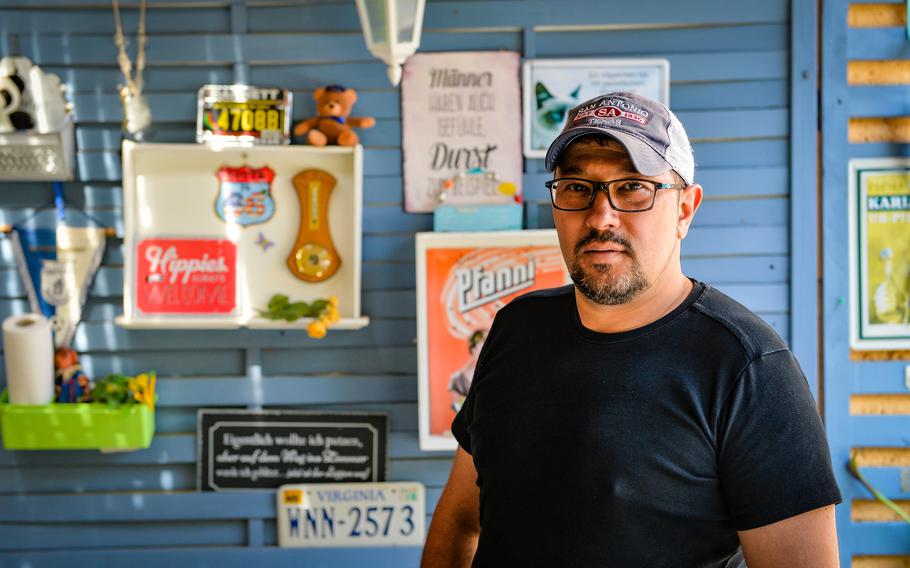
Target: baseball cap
[{"x": 651, "y": 133}]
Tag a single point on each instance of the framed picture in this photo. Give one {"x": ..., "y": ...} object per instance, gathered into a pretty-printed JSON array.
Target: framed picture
[
  {"x": 553, "y": 86},
  {"x": 463, "y": 279},
  {"x": 879, "y": 205},
  {"x": 460, "y": 113}
]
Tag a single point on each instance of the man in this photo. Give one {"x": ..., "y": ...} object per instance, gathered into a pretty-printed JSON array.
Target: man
[{"x": 638, "y": 418}]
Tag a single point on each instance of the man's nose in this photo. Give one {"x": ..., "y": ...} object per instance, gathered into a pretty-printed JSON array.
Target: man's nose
[{"x": 601, "y": 215}]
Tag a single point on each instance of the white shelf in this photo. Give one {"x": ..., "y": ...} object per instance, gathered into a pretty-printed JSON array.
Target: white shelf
[
  {"x": 169, "y": 192},
  {"x": 302, "y": 323},
  {"x": 219, "y": 323}
]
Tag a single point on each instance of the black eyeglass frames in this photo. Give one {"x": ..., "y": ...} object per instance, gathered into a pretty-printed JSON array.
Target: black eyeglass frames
[{"x": 629, "y": 195}]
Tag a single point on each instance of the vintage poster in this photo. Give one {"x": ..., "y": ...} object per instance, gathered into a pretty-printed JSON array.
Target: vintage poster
[
  {"x": 461, "y": 114},
  {"x": 880, "y": 254},
  {"x": 186, "y": 276},
  {"x": 463, "y": 279},
  {"x": 553, "y": 86}
]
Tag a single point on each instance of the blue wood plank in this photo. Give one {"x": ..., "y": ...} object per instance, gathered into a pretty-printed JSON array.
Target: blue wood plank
[
  {"x": 181, "y": 107},
  {"x": 377, "y": 360},
  {"x": 659, "y": 42},
  {"x": 878, "y": 538},
  {"x": 759, "y": 298},
  {"x": 737, "y": 269},
  {"x": 72, "y": 537},
  {"x": 98, "y": 478},
  {"x": 741, "y": 153},
  {"x": 877, "y": 43},
  {"x": 37, "y": 194},
  {"x": 713, "y": 124},
  {"x": 107, "y": 336},
  {"x": 98, "y": 20},
  {"x": 228, "y": 557},
  {"x": 760, "y": 212},
  {"x": 402, "y": 415},
  {"x": 885, "y": 479},
  {"x": 93, "y": 479},
  {"x": 745, "y": 240},
  {"x": 169, "y": 449},
  {"x": 885, "y": 430},
  {"x": 431, "y": 472},
  {"x": 358, "y": 75},
  {"x": 762, "y": 65},
  {"x": 442, "y": 15},
  {"x": 770, "y": 93},
  {"x": 804, "y": 200},
  {"x": 137, "y": 506},
  {"x": 700, "y": 241},
  {"x": 106, "y": 77},
  {"x": 379, "y": 219},
  {"x": 878, "y": 101},
  {"x": 278, "y": 390},
  {"x": 835, "y": 285},
  {"x": 55, "y": 49},
  {"x": 879, "y": 377},
  {"x": 201, "y": 362},
  {"x": 105, "y": 166},
  {"x": 877, "y": 150}
]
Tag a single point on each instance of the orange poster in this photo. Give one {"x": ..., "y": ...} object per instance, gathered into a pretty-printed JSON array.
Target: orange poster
[{"x": 464, "y": 279}]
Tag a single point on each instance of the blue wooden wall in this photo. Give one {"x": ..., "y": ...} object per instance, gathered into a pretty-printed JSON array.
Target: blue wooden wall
[
  {"x": 731, "y": 85},
  {"x": 863, "y": 86}
]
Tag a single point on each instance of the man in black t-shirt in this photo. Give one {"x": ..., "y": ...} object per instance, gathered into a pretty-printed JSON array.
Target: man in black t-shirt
[{"x": 638, "y": 418}]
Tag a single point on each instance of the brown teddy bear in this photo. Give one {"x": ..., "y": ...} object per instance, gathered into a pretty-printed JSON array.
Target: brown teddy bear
[{"x": 333, "y": 125}]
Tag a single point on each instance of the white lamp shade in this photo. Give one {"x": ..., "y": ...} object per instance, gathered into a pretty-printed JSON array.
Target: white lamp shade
[{"x": 391, "y": 29}]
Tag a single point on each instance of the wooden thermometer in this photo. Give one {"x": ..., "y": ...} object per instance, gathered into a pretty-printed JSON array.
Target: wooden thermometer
[{"x": 314, "y": 257}]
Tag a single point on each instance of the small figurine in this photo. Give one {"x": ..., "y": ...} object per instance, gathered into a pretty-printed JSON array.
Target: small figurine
[
  {"x": 333, "y": 125},
  {"x": 72, "y": 385}
]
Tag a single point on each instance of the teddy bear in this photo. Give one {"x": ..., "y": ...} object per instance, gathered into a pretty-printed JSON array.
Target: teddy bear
[{"x": 333, "y": 123}]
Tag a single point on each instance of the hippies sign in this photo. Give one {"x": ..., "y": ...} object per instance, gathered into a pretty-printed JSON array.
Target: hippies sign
[{"x": 460, "y": 111}]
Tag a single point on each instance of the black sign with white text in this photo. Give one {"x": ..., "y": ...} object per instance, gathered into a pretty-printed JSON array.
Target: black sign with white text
[{"x": 242, "y": 450}]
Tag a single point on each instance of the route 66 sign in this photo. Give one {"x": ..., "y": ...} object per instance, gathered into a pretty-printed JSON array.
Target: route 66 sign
[{"x": 245, "y": 195}]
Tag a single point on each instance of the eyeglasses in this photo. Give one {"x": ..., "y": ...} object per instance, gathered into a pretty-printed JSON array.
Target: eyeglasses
[{"x": 629, "y": 195}]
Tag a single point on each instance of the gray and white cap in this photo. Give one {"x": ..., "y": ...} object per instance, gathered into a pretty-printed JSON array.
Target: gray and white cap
[{"x": 651, "y": 133}]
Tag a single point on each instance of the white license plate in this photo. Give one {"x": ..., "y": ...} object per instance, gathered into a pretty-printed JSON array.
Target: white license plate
[{"x": 351, "y": 514}]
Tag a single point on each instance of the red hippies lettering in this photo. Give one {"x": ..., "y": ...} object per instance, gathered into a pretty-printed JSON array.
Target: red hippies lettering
[
  {"x": 187, "y": 276},
  {"x": 171, "y": 267}
]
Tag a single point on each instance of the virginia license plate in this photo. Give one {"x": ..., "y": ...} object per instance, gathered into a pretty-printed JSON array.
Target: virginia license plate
[{"x": 351, "y": 514}]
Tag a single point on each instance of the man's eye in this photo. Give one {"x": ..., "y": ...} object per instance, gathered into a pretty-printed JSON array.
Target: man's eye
[
  {"x": 579, "y": 187},
  {"x": 632, "y": 187}
]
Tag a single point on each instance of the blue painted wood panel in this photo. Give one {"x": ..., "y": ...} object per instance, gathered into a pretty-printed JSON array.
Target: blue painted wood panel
[
  {"x": 731, "y": 85},
  {"x": 844, "y": 378}
]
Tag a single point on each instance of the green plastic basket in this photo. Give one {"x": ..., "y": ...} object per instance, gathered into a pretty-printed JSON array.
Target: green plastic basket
[{"x": 77, "y": 426}]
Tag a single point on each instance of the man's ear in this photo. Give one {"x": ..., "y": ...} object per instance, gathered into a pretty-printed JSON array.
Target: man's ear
[{"x": 690, "y": 199}]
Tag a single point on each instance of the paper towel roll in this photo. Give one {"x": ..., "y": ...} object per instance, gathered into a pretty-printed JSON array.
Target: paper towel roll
[{"x": 28, "y": 350}]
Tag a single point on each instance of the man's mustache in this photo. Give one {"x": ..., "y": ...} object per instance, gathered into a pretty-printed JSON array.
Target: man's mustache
[{"x": 605, "y": 237}]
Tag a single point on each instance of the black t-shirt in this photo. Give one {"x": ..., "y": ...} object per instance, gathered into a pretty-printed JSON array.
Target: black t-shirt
[{"x": 650, "y": 447}]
